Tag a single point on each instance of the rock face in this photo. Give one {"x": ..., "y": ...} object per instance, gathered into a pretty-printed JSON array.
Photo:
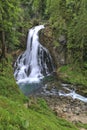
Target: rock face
[{"x": 57, "y": 49}]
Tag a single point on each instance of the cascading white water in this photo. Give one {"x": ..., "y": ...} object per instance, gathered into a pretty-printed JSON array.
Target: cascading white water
[
  {"x": 72, "y": 94},
  {"x": 35, "y": 62}
]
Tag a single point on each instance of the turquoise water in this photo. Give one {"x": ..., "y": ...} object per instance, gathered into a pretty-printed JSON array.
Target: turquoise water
[
  {"x": 31, "y": 88},
  {"x": 54, "y": 89}
]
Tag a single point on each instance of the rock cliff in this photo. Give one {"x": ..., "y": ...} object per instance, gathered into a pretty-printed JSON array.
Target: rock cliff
[{"x": 57, "y": 48}]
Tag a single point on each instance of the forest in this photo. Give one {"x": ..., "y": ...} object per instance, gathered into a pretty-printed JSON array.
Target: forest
[{"x": 66, "y": 18}]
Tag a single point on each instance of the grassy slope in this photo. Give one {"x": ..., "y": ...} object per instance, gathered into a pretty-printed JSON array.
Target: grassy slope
[
  {"x": 8, "y": 86},
  {"x": 70, "y": 75},
  {"x": 15, "y": 116}
]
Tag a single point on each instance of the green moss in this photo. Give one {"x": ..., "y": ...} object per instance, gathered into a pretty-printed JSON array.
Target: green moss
[
  {"x": 12, "y": 115},
  {"x": 71, "y": 75},
  {"x": 80, "y": 125},
  {"x": 15, "y": 116},
  {"x": 8, "y": 86}
]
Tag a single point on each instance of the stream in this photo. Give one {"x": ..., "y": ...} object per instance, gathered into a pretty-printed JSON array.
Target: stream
[{"x": 51, "y": 88}]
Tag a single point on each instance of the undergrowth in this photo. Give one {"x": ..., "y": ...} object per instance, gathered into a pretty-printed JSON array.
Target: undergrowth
[
  {"x": 15, "y": 116},
  {"x": 73, "y": 75}
]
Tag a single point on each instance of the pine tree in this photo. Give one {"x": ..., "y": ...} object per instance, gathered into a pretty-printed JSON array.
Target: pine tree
[{"x": 9, "y": 23}]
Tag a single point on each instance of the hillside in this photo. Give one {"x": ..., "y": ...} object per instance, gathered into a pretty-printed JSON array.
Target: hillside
[{"x": 17, "y": 112}]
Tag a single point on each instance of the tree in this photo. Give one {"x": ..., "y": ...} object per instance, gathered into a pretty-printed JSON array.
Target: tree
[
  {"x": 77, "y": 35},
  {"x": 69, "y": 18},
  {"x": 38, "y": 8},
  {"x": 9, "y": 23}
]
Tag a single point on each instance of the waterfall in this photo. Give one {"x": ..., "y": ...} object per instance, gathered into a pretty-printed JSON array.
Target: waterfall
[{"x": 35, "y": 62}]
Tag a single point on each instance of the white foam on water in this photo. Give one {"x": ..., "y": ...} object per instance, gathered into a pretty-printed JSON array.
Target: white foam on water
[{"x": 72, "y": 94}]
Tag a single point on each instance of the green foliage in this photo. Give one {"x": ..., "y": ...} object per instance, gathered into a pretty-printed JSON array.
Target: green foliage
[
  {"x": 77, "y": 36},
  {"x": 31, "y": 118},
  {"x": 11, "y": 118},
  {"x": 39, "y": 8},
  {"x": 69, "y": 18},
  {"x": 23, "y": 118},
  {"x": 74, "y": 76},
  {"x": 10, "y": 21},
  {"x": 81, "y": 125},
  {"x": 8, "y": 86}
]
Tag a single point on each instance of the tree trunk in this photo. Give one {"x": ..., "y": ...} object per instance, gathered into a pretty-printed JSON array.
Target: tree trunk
[{"x": 3, "y": 44}]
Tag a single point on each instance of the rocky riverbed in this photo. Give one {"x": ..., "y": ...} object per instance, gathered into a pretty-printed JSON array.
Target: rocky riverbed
[{"x": 73, "y": 110}]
